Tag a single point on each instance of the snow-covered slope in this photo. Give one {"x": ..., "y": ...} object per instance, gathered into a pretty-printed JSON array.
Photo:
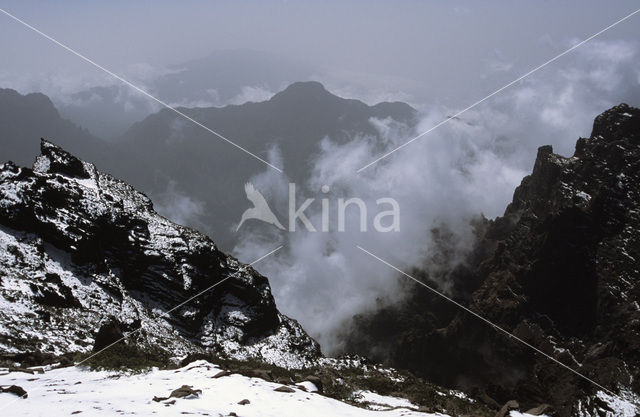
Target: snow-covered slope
[
  {"x": 79, "y": 248},
  {"x": 66, "y": 391}
]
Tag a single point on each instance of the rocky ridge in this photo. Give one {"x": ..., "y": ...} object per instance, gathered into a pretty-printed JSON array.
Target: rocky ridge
[
  {"x": 559, "y": 270},
  {"x": 80, "y": 249}
]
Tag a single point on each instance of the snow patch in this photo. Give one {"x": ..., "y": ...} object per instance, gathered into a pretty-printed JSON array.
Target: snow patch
[{"x": 65, "y": 391}]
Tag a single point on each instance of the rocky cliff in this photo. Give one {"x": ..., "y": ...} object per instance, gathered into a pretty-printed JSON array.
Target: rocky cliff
[
  {"x": 80, "y": 249},
  {"x": 560, "y": 270}
]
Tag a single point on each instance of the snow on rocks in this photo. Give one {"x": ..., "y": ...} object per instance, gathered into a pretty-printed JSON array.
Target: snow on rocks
[
  {"x": 79, "y": 247},
  {"x": 381, "y": 402}
]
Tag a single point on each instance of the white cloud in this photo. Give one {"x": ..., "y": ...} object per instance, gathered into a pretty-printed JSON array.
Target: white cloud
[
  {"x": 468, "y": 166},
  {"x": 178, "y": 207},
  {"x": 252, "y": 94}
]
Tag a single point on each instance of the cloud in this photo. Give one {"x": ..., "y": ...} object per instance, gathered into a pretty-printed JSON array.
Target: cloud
[
  {"x": 252, "y": 94},
  {"x": 368, "y": 87},
  {"x": 468, "y": 166},
  {"x": 178, "y": 207},
  {"x": 498, "y": 63}
]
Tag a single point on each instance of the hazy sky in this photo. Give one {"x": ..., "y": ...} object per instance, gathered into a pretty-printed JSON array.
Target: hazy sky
[{"x": 421, "y": 51}]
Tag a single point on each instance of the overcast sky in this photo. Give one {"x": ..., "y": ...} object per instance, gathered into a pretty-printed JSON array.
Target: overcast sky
[{"x": 423, "y": 52}]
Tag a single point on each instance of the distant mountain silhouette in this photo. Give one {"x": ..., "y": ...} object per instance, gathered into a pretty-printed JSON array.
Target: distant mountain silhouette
[
  {"x": 222, "y": 74},
  {"x": 24, "y": 119},
  {"x": 167, "y": 156},
  {"x": 106, "y": 111},
  {"x": 212, "y": 171},
  {"x": 217, "y": 79}
]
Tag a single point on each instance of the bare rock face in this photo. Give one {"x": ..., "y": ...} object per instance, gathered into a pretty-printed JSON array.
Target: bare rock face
[
  {"x": 79, "y": 248},
  {"x": 560, "y": 270},
  {"x": 564, "y": 276}
]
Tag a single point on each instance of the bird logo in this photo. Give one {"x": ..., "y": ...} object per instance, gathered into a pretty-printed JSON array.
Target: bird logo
[{"x": 260, "y": 209}]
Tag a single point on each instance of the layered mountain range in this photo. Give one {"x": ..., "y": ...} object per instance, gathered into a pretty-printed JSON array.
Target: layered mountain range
[
  {"x": 184, "y": 168},
  {"x": 82, "y": 254},
  {"x": 232, "y": 76},
  {"x": 560, "y": 271}
]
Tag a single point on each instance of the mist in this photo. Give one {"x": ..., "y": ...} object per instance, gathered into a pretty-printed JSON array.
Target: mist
[
  {"x": 420, "y": 53},
  {"x": 466, "y": 168},
  {"x": 204, "y": 54}
]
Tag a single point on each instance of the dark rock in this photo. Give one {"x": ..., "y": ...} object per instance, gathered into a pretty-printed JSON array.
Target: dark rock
[
  {"x": 284, "y": 380},
  {"x": 315, "y": 381},
  {"x": 257, "y": 373},
  {"x": 185, "y": 391},
  {"x": 16, "y": 390},
  {"x": 60, "y": 161},
  {"x": 506, "y": 409},
  {"x": 488, "y": 400},
  {"x": 545, "y": 409},
  {"x": 35, "y": 358},
  {"x": 284, "y": 389},
  {"x": 244, "y": 402},
  {"x": 55, "y": 294},
  {"x": 108, "y": 334},
  {"x": 222, "y": 373},
  {"x": 559, "y": 270}
]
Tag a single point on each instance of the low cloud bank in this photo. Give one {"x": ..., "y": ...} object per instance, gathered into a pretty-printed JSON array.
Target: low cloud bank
[{"x": 468, "y": 166}]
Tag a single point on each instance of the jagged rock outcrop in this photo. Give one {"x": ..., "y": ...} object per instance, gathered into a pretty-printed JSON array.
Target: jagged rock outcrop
[
  {"x": 560, "y": 270},
  {"x": 79, "y": 249}
]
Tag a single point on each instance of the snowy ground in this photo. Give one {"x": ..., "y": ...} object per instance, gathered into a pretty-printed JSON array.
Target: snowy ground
[{"x": 68, "y": 391}]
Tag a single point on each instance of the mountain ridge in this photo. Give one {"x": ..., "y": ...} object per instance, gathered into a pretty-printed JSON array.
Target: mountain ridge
[
  {"x": 173, "y": 160},
  {"x": 89, "y": 270},
  {"x": 80, "y": 248},
  {"x": 558, "y": 270}
]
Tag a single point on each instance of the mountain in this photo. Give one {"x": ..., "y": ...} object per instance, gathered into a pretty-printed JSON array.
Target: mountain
[
  {"x": 83, "y": 253},
  {"x": 186, "y": 158},
  {"x": 186, "y": 169},
  {"x": 223, "y": 77},
  {"x": 559, "y": 270},
  {"x": 85, "y": 261},
  {"x": 25, "y": 117},
  {"x": 105, "y": 111},
  {"x": 232, "y": 76}
]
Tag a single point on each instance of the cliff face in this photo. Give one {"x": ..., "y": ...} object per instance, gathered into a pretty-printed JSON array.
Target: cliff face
[
  {"x": 560, "y": 270},
  {"x": 79, "y": 248},
  {"x": 564, "y": 275}
]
